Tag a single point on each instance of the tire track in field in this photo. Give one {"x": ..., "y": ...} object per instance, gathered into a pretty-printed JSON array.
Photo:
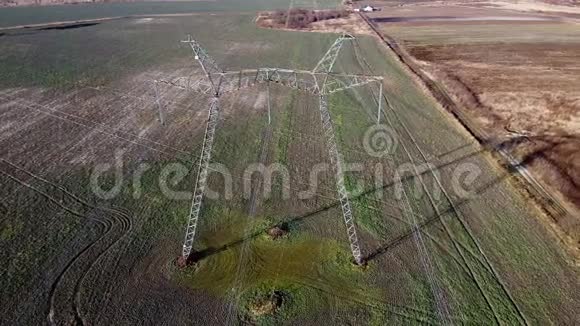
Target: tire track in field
[
  {"x": 392, "y": 46},
  {"x": 486, "y": 262},
  {"x": 95, "y": 126},
  {"x": 121, "y": 221},
  {"x": 105, "y": 223},
  {"x": 424, "y": 256},
  {"x": 470, "y": 235},
  {"x": 126, "y": 226},
  {"x": 113, "y": 132},
  {"x": 465, "y": 266},
  {"x": 119, "y": 226},
  {"x": 362, "y": 299},
  {"x": 331, "y": 305},
  {"x": 252, "y": 207}
]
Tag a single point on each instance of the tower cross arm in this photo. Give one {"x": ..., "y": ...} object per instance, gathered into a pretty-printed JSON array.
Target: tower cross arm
[
  {"x": 327, "y": 61},
  {"x": 207, "y": 63},
  {"x": 340, "y": 82}
]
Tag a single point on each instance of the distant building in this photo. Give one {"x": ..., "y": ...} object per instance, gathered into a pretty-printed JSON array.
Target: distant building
[{"x": 367, "y": 8}]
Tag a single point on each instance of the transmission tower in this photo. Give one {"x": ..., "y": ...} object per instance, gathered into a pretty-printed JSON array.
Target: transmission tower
[
  {"x": 325, "y": 66},
  {"x": 320, "y": 81}
]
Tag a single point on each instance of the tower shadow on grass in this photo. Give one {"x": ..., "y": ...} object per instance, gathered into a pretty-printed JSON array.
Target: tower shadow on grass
[
  {"x": 398, "y": 240},
  {"x": 509, "y": 171},
  {"x": 210, "y": 251}
]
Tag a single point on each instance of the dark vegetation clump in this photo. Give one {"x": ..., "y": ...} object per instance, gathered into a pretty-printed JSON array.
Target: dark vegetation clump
[
  {"x": 266, "y": 304},
  {"x": 301, "y": 18},
  {"x": 278, "y": 231}
]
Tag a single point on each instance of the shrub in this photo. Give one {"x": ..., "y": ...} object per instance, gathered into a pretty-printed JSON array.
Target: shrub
[{"x": 301, "y": 18}]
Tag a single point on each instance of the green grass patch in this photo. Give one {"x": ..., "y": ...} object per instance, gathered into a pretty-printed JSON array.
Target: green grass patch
[{"x": 305, "y": 268}]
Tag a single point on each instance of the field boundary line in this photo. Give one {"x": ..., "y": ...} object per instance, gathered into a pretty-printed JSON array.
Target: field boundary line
[{"x": 253, "y": 202}]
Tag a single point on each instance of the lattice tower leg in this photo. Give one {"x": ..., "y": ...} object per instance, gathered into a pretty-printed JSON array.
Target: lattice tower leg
[
  {"x": 202, "y": 172},
  {"x": 336, "y": 160}
]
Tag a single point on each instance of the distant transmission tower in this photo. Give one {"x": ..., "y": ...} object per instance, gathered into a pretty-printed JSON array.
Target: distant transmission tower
[{"x": 320, "y": 81}]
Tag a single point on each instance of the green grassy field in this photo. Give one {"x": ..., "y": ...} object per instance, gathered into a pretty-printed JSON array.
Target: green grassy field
[
  {"x": 77, "y": 56},
  {"x": 489, "y": 258},
  {"x": 18, "y": 16}
]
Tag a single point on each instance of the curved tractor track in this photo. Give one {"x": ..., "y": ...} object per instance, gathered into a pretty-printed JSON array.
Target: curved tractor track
[
  {"x": 66, "y": 302},
  {"x": 115, "y": 226}
]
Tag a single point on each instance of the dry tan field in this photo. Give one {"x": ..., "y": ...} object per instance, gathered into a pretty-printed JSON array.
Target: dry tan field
[{"x": 515, "y": 74}]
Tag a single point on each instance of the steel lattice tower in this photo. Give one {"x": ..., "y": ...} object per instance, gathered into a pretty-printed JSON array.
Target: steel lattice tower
[{"x": 320, "y": 81}]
